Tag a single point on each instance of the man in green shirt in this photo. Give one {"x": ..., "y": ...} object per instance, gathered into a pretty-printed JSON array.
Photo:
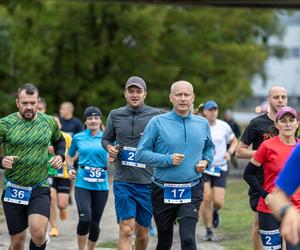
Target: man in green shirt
[{"x": 25, "y": 136}]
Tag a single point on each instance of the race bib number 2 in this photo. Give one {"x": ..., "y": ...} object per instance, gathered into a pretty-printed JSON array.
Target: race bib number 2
[
  {"x": 128, "y": 158},
  {"x": 17, "y": 194},
  {"x": 271, "y": 240},
  {"x": 177, "y": 193}
]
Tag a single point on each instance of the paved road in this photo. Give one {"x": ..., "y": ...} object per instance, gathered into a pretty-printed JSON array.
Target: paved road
[{"x": 109, "y": 232}]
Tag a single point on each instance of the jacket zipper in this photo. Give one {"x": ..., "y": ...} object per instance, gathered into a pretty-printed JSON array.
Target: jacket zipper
[
  {"x": 184, "y": 129},
  {"x": 132, "y": 124}
]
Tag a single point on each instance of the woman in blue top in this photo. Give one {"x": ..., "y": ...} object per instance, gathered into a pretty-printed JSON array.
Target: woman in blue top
[{"x": 91, "y": 179}]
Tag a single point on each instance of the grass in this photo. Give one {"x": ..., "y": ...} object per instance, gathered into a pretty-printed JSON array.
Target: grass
[
  {"x": 108, "y": 244},
  {"x": 236, "y": 217}
]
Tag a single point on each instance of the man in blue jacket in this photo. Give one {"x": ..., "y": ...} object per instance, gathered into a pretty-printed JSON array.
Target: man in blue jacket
[{"x": 178, "y": 145}]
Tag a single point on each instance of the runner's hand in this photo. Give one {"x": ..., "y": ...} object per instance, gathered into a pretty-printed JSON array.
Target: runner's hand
[
  {"x": 177, "y": 159},
  {"x": 111, "y": 160},
  {"x": 227, "y": 156},
  {"x": 51, "y": 150},
  {"x": 7, "y": 161},
  {"x": 200, "y": 167},
  {"x": 113, "y": 151},
  {"x": 290, "y": 225},
  {"x": 56, "y": 161},
  {"x": 268, "y": 199},
  {"x": 72, "y": 174}
]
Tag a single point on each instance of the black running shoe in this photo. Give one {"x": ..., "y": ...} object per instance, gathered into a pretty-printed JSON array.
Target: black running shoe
[{"x": 209, "y": 235}]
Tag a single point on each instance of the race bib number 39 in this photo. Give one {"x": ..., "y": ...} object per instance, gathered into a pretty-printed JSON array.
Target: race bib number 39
[
  {"x": 128, "y": 158},
  {"x": 94, "y": 174},
  {"x": 17, "y": 194},
  {"x": 177, "y": 193}
]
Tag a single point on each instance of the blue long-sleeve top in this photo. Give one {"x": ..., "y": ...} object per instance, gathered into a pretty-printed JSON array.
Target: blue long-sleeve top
[
  {"x": 171, "y": 133},
  {"x": 90, "y": 154}
]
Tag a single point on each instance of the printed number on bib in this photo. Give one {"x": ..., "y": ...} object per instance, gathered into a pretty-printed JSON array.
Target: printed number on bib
[
  {"x": 94, "y": 174},
  {"x": 17, "y": 194},
  {"x": 128, "y": 158},
  {"x": 177, "y": 193},
  {"x": 271, "y": 239},
  {"x": 213, "y": 170}
]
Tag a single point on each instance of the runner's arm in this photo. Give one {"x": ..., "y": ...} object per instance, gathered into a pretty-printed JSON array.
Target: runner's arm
[
  {"x": 250, "y": 177},
  {"x": 283, "y": 210},
  {"x": 145, "y": 154},
  {"x": 209, "y": 148},
  {"x": 243, "y": 151},
  {"x": 109, "y": 136},
  {"x": 60, "y": 147},
  {"x": 3, "y": 130}
]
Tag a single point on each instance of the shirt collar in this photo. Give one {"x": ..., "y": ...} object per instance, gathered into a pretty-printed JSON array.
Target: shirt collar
[
  {"x": 136, "y": 110},
  {"x": 88, "y": 132},
  {"x": 180, "y": 117}
]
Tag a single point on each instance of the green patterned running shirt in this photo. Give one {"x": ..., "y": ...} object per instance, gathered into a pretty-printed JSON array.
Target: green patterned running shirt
[{"x": 29, "y": 141}]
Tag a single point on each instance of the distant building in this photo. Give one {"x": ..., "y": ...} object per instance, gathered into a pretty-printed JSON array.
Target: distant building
[{"x": 286, "y": 71}]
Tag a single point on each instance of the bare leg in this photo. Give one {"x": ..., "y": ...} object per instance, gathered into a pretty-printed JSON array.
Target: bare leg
[
  {"x": 126, "y": 228},
  {"x": 81, "y": 241},
  {"x": 142, "y": 238}
]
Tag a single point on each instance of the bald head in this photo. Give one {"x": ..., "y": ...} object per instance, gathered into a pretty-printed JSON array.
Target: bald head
[
  {"x": 180, "y": 84},
  {"x": 277, "y": 89},
  {"x": 66, "y": 110},
  {"x": 277, "y": 99},
  {"x": 182, "y": 97}
]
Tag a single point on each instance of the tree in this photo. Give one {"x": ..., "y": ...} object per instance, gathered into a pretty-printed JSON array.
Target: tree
[{"x": 85, "y": 51}]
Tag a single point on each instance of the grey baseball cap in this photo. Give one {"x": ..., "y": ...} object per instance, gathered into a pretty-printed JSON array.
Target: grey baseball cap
[{"x": 136, "y": 81}]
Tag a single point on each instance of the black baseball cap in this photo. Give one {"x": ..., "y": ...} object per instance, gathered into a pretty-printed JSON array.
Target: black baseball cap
[{"x": 91, "y": 111}]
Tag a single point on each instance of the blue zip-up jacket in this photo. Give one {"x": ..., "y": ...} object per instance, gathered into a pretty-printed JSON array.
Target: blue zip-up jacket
[{"x": 171, "y": 133}]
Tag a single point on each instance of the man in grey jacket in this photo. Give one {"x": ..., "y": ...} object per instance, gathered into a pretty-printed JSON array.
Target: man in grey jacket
[{"x": 124, "y": 128}]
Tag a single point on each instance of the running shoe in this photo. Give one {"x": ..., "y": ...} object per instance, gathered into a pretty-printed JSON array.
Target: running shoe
[
  {"x": 54, "y": 232},
  {"x": 47, "y": 238},
  {"x": 216, "y": 219},
  {"x": 63, "y": 214},
  {"x": 209, "y": 235}
]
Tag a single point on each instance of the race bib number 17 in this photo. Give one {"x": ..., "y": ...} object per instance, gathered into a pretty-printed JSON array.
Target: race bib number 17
[{"x": 177, "y": 193}]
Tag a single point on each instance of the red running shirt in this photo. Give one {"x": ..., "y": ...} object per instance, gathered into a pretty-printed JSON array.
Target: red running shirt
[{"x": 273, "y": 154}]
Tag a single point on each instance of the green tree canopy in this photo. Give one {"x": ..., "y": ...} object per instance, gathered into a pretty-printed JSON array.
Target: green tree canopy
[{"x": 85, "y": 51}]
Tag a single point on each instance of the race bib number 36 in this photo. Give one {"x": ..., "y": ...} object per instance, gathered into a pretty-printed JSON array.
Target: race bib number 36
[
  {"x": 94, "y": 174},
  {"x": 128, "y": 158},
  {"x": 177, "y": 193},
  {"x": 17, "y": 194}
]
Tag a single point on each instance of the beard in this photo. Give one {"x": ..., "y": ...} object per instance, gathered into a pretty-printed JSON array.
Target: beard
[{"x": 28, "y": 114}]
